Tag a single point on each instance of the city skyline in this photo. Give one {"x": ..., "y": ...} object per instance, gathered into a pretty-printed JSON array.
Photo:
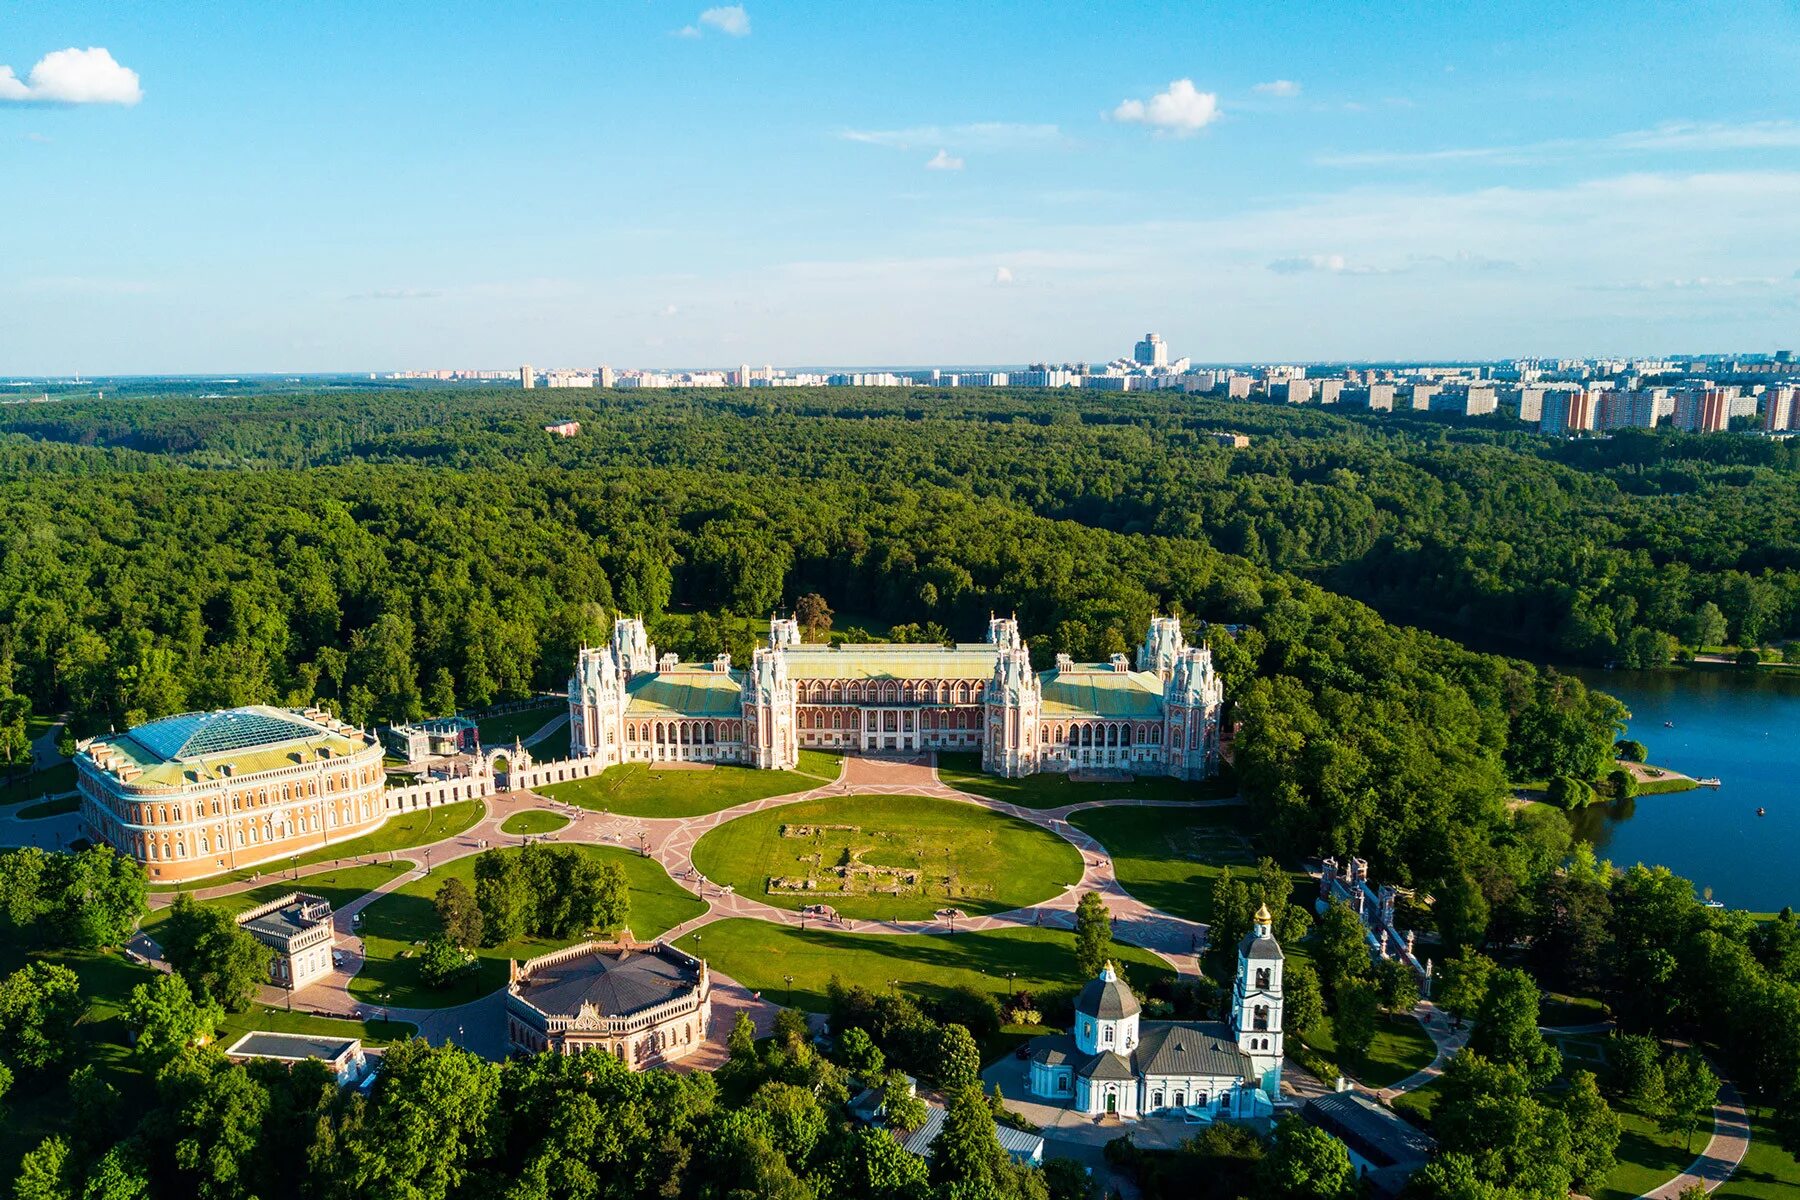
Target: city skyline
[{"x": 673, "y": 183}]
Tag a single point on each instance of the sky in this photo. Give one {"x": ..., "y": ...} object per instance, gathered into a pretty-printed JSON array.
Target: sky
[{"x": 224, "y": 187}]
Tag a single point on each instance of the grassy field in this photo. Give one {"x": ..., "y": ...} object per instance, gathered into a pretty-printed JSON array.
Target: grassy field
[
  {"x": 1401, "y": 1046},
  {"x": 1556, "y": 1009},
  {"x": 50, "y": 808},
  {"x": 502, "y": 730},
  {"x": 554, "y": 746},
  {"x": 279, "y": 1020},
  {"x": 397, "y": 925},
  {"x": 964, "y": 856},
  {"x": 403, "y": 831},
  {"x": 340, "y": 887},
  {"x": 36, "y": 1109},
  {"x": 1769, "y": 1171},
  {"x": 1647, "y": 1157},
  {"x": 531, "y": 821},
  {"x": 634, "y": 790},
  {"x": 49, "y": 781},
  {"x": 759, "y": 955},
  {"x": 1049, "y": 790},
  {"x": 1168, "y": 858}
]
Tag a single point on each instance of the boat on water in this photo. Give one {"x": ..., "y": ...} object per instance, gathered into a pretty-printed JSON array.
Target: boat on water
[
  {"x": 1668, "y": 724},
  {"x": 1762, "y": 812},
  {"x": 1713, "y": 903},
  {"x": 1710, "y": 781}
]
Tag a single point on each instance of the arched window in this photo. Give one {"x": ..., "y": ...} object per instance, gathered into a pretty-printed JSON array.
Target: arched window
[{"x": 1262, "y": 979}]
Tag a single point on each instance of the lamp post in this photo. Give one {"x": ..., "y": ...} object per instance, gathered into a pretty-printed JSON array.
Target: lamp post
[{"x": 787, "y": 995}]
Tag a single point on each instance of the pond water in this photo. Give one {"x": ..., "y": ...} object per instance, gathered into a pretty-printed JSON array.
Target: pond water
[{"x": 1741, "y": 727}]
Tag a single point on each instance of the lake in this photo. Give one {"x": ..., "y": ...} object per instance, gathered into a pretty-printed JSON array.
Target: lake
[{"x": 1742, "y": 727}]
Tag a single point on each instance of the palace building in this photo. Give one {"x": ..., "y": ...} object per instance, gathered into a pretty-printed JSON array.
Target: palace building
[
  {"x": 202, "y": 793},
  {"x": 1114, "y": 1064},
  {"x": 1160, "y": 717},
  {"x": 646, "y": 1005}
]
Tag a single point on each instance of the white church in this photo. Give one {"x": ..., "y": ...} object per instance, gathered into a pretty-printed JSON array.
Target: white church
[{"x": 1113, "y": 1064}]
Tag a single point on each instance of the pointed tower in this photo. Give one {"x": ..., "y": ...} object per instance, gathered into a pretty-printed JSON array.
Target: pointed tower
[
  {"x": 784, "y": 631},
  {"x": 631, "y": 647},
  {"x": 1256, "y": 1002},
  {"x": 1009, "y": 745},
  {"x": 596, "y": 706},
  {"x": 1193, "y": 700},
  {"x": 771, "y": 729},
  {"x": 1162, "y": 647}
]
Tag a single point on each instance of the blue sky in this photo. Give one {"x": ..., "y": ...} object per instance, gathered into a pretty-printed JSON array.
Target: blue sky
[{"x": 331, "y": 186}]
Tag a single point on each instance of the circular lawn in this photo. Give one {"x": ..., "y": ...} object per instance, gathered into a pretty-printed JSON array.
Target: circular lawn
[{"x": 889, "y": 857}]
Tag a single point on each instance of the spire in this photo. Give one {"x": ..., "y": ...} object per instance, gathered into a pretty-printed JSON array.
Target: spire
[{"x": 1263, "y": 916}]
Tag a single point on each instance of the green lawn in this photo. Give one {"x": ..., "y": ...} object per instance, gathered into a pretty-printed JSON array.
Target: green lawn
[
  {"x": 554, "y": 746},
  {"x": 402, "y": 831},
  {"x": 502, "y": 730},
  {"x": 279, "y": 1020},
  {"x": 1053, "y": 790},
  {"x": 1769, "y": 1171},
  {"x": 1557, "y": 1009},
  {"x": 1648, "y": 1157},
  {"x": 36, "y": 1109},
  {"x": 49, "y": 781},
  {"x": 634, "y": 790},
  {"x": 1168, "y": 858},
  {"x": 50, "y": 808},
  {"x": 759, "y": 955},
  {"x": 340, "y": 887},
  {"x": 395, "y": 927},
  {"x": 964, "y": 856},
  {"x": 533, "y": 820},
  {"x": 1418, "y": 1104},
  {"x": 1401, "y": 1047}
]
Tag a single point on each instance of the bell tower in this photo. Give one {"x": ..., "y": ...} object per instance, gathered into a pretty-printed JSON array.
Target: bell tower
[{"x": 1256, "y": 1002}]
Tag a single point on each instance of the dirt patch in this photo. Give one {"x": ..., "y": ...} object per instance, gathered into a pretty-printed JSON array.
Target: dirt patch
[
  {"x": 680, "y": 766},
  {"x": 862, "y": 772}
]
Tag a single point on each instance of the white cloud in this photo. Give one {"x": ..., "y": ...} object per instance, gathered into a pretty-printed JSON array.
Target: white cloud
[
  {"x": 1332, "y": 263},
  {"x": 731, "y": 20},
  {"x": 1182, "y": 110},
  {"x": 1277, "y": 87},
  {"x": 688, "y": 31},
  {"x": 1003, "y": 275},
  {"x": 1684, "y": 136},
  {"x": 39, "y": 138},
  {"x": 943, "y": 160},
  {"x": 73, "y": 76},
  {"x": 977, "y": 135}
]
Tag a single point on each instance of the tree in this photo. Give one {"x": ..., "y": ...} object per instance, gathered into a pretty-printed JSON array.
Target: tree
[
  {"x": 870, "y": 1165},
  {"x": 1231, "y": 911},
  {"x": 1506, "y": 1027},
  {"x": 502, "y": 895},
  {"x": 458, "y": 913},
  {"x": 1067, "y": 1179},
  {"x": 39, "y": 1006},
  {"x": 599, "y": 894},
  {"x": 119, "y": 1175},
  {"x": 1487, "y": 1112},
  {"x": 1398, "y": 985},
  {"x": 967, "y": 1162},
  {"x": 1630, "y": 750},
  {"x": 216, "y": 957},
  {"x": 100, "y": 897},
  {"x": 1343, "y": 950},
  {"x": 444, "y": 961},
  {"x": 1304, "y": 1000},
  {"x": 1593, "y": 1132},
  {"x": 1306, "y": 1163},
  {"x": 1354, "y": 1021},
  {"x": 901, "y": 1107},
  {"x": 429, "y": 1125},
  {"x": 440, "y": 696},
  {"x": 958, "y": 1059},
  {"x": 814, "y": 616},
  {"x": 1690, "y": 1091},
  {"x": 46, "y": 1173},
  {"x": 859, "y": 1055},
  {"x": 1637, "y": 1069},
  {"x": 167, "y": 1020},
  {"x": 1706, "y": 627},
  {"x": 1093, "y": 936},
  {"x": 1463, "y": 983}
]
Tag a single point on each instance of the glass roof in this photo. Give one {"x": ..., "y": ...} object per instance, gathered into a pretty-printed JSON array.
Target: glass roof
[{"x": 195, "y": 735}]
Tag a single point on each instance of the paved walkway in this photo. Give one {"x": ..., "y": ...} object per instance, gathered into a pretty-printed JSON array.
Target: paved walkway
[
  {"x": 1724, "y": 1151},
  {"x": 1449, "y": 1040}
]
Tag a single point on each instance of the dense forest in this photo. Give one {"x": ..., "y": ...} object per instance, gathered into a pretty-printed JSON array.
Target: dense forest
[{"x": 399, "y": 551}]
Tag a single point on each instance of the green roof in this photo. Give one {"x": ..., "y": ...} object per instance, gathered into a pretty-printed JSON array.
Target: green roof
[
  {"x": 892, "y": 661},
  {"x": 687, "y": 691},
  {"x": 167, "y": 752},
  {"x": 1098, "y": 690}
]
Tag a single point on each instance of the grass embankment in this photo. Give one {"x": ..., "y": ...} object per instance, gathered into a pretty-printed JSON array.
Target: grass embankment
[
  {"x": 1169, "y": 858},
  {"x": 760, "y": 956},
  {"x": 395, "y": 927},
  {"x": 1770, "y": 1171},
  {"x": 962, "y": 856},
  {"x": 50, "y": 808},
  {"x": 1401, "y": 1047},
  {"x": 279, "y": 1020},
  {"x": 340, "y": 887},
  {"x": 402, "y": 831},
  {"x": 1050, "y": 790},
  {"x": 503, "y": 730},
  {"x": 635, "y": 790},
  {"x": 48, "y": 782},
  {"x": 533, "y": 821}
]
